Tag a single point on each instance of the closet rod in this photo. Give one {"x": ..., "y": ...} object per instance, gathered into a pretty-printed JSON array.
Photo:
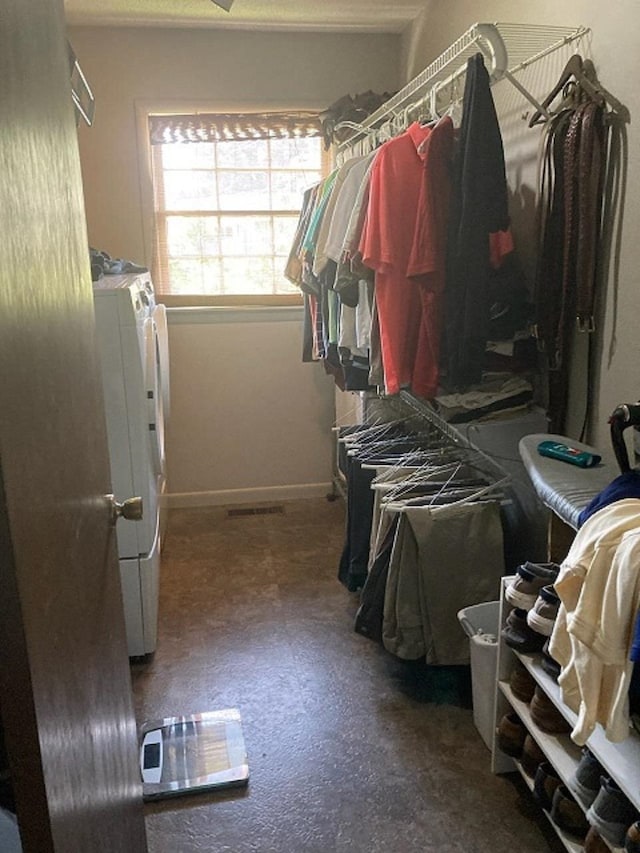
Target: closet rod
[{"x": 507, "y": 48}]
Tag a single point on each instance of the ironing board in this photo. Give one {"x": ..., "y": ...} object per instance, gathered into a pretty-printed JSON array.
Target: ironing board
[{"x": 566, "y": 489}]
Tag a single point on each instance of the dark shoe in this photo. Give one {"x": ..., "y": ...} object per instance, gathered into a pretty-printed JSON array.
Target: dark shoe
[
  {"x": 511, "y": 734},
  {"x": 532, "y": 756},
  {"x": 542, "y": 615},
  {"x": 585, "y": 782},
  {"x": 632, "y": 840},
  {"x": 522, "y": 684},
  {"x": 545, "y": 783},
  {"x": 595, "y": 843},
  {"x": 546, "y": 716},
  {"x": 567, "y": 814},
  {"x": 550, "y": 666},
  {"x": 518, "y": 635},
  {"x": 528, "y": 581},
  {"x": 611, "y": 813}
]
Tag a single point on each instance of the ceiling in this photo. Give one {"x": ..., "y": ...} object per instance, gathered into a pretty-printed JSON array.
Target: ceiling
[{"x": 330, "y": 15}]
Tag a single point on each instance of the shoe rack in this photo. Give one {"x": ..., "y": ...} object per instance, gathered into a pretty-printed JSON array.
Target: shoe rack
[{"x": 620, "y": 760}]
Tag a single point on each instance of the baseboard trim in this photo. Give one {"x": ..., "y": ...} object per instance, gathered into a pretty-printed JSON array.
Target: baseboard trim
[{"x": 261, "y": 494}]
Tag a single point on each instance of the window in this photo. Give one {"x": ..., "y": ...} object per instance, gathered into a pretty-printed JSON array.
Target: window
[{"x": 227, "y": 200}]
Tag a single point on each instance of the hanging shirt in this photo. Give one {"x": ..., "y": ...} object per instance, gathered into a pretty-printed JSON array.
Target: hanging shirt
[
  {"x": 321, "y": 254},
  {"x": 347, "y": 195},
  {"x": 315, "y": 220},
  {"x": 358, "y": 214},
  {"x": 404, "y": 242},
  {"x": 599, "y": 590},
  {"x": 293, "y": 268}
]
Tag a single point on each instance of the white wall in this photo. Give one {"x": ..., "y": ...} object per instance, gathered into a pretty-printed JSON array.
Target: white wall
[
  {"x": 249, "y": 421},
  {"x": 130, "y": 67},
  {"x": 613, "y": 47},
  {"x": 254, "y": 422}
]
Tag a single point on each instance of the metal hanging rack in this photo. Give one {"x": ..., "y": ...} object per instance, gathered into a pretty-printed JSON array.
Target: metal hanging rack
[
  {"x": 83, "y": 100},
  {"x": 424, "y": 410},
  {"x": 507, "y": 49}
]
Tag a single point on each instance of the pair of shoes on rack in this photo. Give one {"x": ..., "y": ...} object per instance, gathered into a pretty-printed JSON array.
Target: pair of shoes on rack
[
  {"x": 585, "y": 782},
  {"x": 612, "y": 813},
  {"x": 529, "y": 579},
  {"x": 545, "y": 714},
  {"x": 518, "y": 635},
  {"x": 532, "y": 757},
  {"x": 511, "y": 734},
  {"x": 535, "y": 605},
  {"x": 568, "y": 814},
  {"x": 555, "y": 798},
  {"x": 522, "y": 683},
  {"x": 549, "y": 664},
  {"x": 545, "y": 783},
  {"x": 542, "y": 615},
  {"x": 514, "y": 740}
]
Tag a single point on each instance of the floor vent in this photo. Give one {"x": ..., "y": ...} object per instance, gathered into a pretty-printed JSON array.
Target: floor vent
[{"x": 255, "y": 510}]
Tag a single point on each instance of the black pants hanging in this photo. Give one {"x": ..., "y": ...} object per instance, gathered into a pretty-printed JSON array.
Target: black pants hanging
[{"x": 352, "y": 571}]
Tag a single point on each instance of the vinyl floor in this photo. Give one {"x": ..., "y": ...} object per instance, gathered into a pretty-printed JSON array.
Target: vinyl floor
[{"x": 348, "y": 751}]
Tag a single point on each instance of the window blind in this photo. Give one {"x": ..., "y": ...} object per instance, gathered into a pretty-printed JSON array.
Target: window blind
[{"x": 221, "y": 127}]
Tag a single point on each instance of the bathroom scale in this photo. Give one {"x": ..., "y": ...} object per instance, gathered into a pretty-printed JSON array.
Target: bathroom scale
[{"x": 185, "y": 755}]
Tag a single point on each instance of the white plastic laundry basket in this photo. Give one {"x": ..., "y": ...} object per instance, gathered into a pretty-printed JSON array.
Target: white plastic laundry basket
[{"x": 480, "y": 624}]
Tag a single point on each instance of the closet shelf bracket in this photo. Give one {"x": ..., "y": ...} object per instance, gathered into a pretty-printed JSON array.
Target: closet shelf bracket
[{"x": 507, "y": 49}]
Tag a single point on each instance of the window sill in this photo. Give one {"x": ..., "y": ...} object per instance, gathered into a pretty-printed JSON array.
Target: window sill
[
  {"x": 211, "y": 315},
  {"x": 230, "y": 301}
]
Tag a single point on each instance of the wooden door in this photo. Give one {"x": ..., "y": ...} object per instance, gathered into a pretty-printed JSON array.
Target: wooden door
[{"x": 65, "y": 691}]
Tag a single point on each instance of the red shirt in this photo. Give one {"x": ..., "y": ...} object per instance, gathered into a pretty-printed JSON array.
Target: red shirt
[{"x": 404, "y": 241}]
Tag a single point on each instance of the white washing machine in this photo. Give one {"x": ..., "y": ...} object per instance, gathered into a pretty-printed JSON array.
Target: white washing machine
[{"x": 132, "y": 340}]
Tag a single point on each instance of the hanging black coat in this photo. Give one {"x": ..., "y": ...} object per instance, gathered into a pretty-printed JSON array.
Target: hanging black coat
[{"x": 479, "y": 206}]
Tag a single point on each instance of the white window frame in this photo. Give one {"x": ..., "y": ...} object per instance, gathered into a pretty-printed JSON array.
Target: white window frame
[{"x": 143, "y": 110}]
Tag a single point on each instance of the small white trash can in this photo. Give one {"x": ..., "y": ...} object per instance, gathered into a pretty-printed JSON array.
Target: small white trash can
[{"x": 481, "y": 624}]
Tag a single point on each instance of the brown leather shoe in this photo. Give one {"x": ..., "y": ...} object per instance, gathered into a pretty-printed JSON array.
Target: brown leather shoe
[
  {"x": 532, "y": 756},
  {"x": 522, "y": 684},
  {"x": 546, "y": 716},
  {"x": 632, "y": 840},
  {"x": 595, "y": 843},
  {"x": 567, "y": 814},
  {"x": 511, "y": 734}
]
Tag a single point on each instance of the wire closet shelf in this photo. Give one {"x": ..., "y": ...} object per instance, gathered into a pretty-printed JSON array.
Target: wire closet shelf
[{"x": 507, "y": 49}]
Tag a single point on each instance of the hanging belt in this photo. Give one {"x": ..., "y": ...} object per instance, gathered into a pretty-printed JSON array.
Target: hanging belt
[
  {"x": 551, "y": 211},
  {"x": 591, "y": 173},
  {"x": 573, "y": 167},
  {"x": 571, "y": 200}
]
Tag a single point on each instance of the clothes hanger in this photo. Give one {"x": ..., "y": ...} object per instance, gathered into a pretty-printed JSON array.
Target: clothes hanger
[
  {"x": 353, "y": 125},
  {"x": 467, "y": 465},
  {"x": 393, "y": 450},
  {"x": 484, "y": 492},
  {"x": 574, "y": 71},
  {"x": 369, "y": 431},
  {"x": 454, "y": 110},
  {"x": 429, "y": 115},
  {"x": 617, "y": 106},
  {"x": 425, "y": 474},
  {"x": 408, "y": 467},
  {"x": 450, "y": 467}
]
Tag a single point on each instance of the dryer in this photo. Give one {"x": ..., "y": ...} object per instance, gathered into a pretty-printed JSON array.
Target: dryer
[{"x": 132, "y": 343}]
